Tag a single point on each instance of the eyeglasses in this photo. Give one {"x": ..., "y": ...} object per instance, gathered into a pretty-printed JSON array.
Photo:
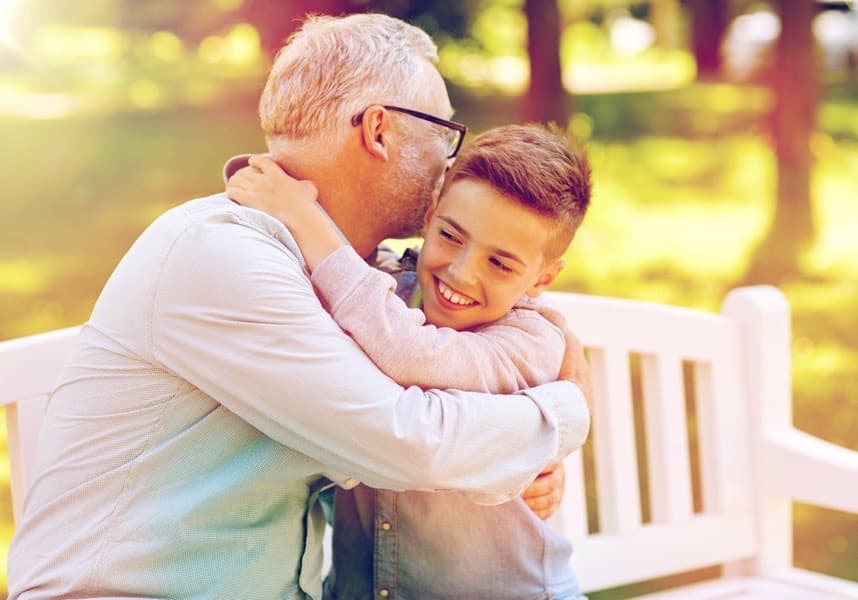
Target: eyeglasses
[{"x": 454, "y": 133}]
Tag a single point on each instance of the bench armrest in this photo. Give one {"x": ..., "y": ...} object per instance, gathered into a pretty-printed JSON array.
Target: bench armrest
[{"x": 803, "y": 467}]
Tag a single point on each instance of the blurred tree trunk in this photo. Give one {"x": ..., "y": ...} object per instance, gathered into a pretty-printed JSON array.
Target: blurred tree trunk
[
  {"x": 545, "y": 100},
  {"x": 665, "y": 20},
  {"x": 708, "y": 25},
  {"x": 795, "y": 90},
  {"x": 275, "y": 21}
]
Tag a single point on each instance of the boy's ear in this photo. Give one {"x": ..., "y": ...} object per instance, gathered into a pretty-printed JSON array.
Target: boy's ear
[
  {"x": 375, "y": 129},
  {"x": 546, "y": 277}
]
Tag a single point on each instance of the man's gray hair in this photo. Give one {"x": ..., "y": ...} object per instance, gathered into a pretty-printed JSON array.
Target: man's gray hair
[{"x": 334, "y": 67}]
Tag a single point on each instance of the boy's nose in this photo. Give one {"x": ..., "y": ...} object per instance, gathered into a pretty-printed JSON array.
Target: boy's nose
[{"x": 463, "y": 271}]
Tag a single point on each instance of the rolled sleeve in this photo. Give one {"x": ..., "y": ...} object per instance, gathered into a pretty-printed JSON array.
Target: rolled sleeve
[{"x": 564, "y": 403}]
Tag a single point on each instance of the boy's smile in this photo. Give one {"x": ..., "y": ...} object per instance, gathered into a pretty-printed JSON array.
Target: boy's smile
[
  {"x": 482, "y": 252},
  {"x": 452, "y": 298}
]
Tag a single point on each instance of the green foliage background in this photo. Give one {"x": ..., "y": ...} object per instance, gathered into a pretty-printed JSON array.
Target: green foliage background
[{"x": 684, "y": 187}]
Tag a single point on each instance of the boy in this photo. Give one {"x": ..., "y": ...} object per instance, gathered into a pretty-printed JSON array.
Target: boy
[{"x": 507, "y": 211}]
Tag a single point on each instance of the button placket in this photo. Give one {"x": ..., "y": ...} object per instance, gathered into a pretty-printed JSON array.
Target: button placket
[{"x": 386, "y": 545}]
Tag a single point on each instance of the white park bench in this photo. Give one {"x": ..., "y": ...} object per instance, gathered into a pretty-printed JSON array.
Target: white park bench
[{"x": 752, "y": 462}]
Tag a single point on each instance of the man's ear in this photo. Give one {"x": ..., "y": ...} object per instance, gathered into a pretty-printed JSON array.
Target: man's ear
[
  {"x": 375, "y": 129},
  {"x": 546, "y": 277}
]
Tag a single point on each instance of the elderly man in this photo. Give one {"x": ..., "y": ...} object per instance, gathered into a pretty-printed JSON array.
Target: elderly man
[{"x": 183, "y": 449}]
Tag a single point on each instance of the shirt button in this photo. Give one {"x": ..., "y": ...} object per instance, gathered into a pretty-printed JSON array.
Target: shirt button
[
  {"x": 384, "y": 592},
  {"x": 350, "y": 482},
  {"x": 385, "y": 526}
]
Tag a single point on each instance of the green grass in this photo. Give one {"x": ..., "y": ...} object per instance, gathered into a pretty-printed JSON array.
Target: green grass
[{"x": 673, "y": 219}]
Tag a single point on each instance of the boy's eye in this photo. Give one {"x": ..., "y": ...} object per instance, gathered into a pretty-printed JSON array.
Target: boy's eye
[
  {"x": 448, "y": 236},
  {"x": 500, "y": 265}
]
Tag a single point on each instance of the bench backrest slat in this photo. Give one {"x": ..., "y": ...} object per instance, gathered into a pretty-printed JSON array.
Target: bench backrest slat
[
  {"x": 650, "y": 364},
  {"x": 29, "y": 368}
]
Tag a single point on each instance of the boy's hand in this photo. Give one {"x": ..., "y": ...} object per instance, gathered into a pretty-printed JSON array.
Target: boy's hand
[
  {"x": 266, "y": 187},
  {"x": 575, "y": 367},
  {"x": 544, "y": 495}
]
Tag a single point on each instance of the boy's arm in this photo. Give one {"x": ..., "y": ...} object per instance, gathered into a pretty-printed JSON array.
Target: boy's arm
[
  {"x": 499, "y": 358},
  {"x": 263, "y": 185},
  {"x": 519, "y": 351}
]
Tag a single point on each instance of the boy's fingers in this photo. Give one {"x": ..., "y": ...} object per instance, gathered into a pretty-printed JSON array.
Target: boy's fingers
[
  {"x": 262, "y": 162},
  {"x": 575, "y": 367},
  {"x": 544, "y": 506},
  {"x": 241, "y": 176},
  {"x": 545, "y": 494},
  {"x": 543, "y": 502},
  {"x": 236, "y": 194},
  {"x": 536, "y": 489}
]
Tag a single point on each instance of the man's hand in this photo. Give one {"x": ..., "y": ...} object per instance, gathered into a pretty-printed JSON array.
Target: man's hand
[
  {"x": 575, "y": 367},
  {"x": 544, "y": 495}
]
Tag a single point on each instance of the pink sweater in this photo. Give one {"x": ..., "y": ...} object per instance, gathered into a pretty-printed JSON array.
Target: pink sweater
[{"x": 522, "y": 349}]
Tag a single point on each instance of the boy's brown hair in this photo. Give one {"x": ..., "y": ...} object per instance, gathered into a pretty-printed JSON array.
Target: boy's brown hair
[{"x": 535, "y": 166}]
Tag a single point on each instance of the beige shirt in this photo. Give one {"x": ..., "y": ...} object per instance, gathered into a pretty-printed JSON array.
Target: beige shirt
[{"x": 181, "y": 451}]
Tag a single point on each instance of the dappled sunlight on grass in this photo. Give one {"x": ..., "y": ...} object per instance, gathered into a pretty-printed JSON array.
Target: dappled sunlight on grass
[
  {"x": 599, "y": 78},
  {"x": 591, "y": 64},
  {"x": 73, "y": 70},
  {"x": 822, "y": 360},
  {"x": 625, "y": 237},
  {"x": 839, "y": 117},
  {"x": 24, "y": 276},
  {"x": 74, "y": 44},
  {"x": 496, "y": 60},
  {"x": 240, "y": 46},
  {"x": 671, "y": 220},
  {"x": 836, "y": 215},
  {"x": 823, "y": 537}
]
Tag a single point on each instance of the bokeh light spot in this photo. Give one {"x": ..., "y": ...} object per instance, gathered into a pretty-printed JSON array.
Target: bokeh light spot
[
  {"x": 65, "y": 44},
  {"x": 510, "y": 73},
  {"x": 229, "y": 5},
  {"x": 145, "y": 93},
  {"x": 165, "y": 46}
]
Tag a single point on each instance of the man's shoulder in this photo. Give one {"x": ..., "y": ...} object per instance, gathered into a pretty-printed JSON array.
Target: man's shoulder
[{"x": 218, "y": 216}]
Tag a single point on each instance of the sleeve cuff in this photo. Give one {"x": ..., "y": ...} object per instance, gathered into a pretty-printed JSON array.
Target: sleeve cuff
[{"x": 567, "y": 406}]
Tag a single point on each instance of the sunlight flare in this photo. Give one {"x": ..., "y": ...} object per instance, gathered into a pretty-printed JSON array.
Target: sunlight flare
[{"x": 6, "y": 38}]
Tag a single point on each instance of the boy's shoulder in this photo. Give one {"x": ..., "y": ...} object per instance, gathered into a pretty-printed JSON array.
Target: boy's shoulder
[
  {"x": 389, "y": 260},
  {"x": 402, "y": 268},
  {"x": 539, "y": 308}
]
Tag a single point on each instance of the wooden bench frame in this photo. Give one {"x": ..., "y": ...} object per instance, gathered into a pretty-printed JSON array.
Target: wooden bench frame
[{"x": 753, "y": 462}]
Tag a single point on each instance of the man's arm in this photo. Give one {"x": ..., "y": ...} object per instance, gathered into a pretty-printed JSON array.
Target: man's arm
[{"x": 237, "y": 317}]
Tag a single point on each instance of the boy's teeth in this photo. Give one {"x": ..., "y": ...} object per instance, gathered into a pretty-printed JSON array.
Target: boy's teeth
[{"x": 452, "y": 296}]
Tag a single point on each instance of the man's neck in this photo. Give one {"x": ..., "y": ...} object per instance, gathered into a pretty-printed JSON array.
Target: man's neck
[{"x": 341, "y": 194}]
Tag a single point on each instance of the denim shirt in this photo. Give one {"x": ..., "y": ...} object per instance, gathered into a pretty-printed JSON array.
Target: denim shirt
[{"x": 416, "y": 545}]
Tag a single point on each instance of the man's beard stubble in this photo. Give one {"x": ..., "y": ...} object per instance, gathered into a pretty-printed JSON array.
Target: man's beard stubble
[{"x": 414, "y": 187}]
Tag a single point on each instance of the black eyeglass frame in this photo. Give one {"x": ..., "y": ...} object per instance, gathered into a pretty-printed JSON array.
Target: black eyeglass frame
[{"x": 462, "y": 129}]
